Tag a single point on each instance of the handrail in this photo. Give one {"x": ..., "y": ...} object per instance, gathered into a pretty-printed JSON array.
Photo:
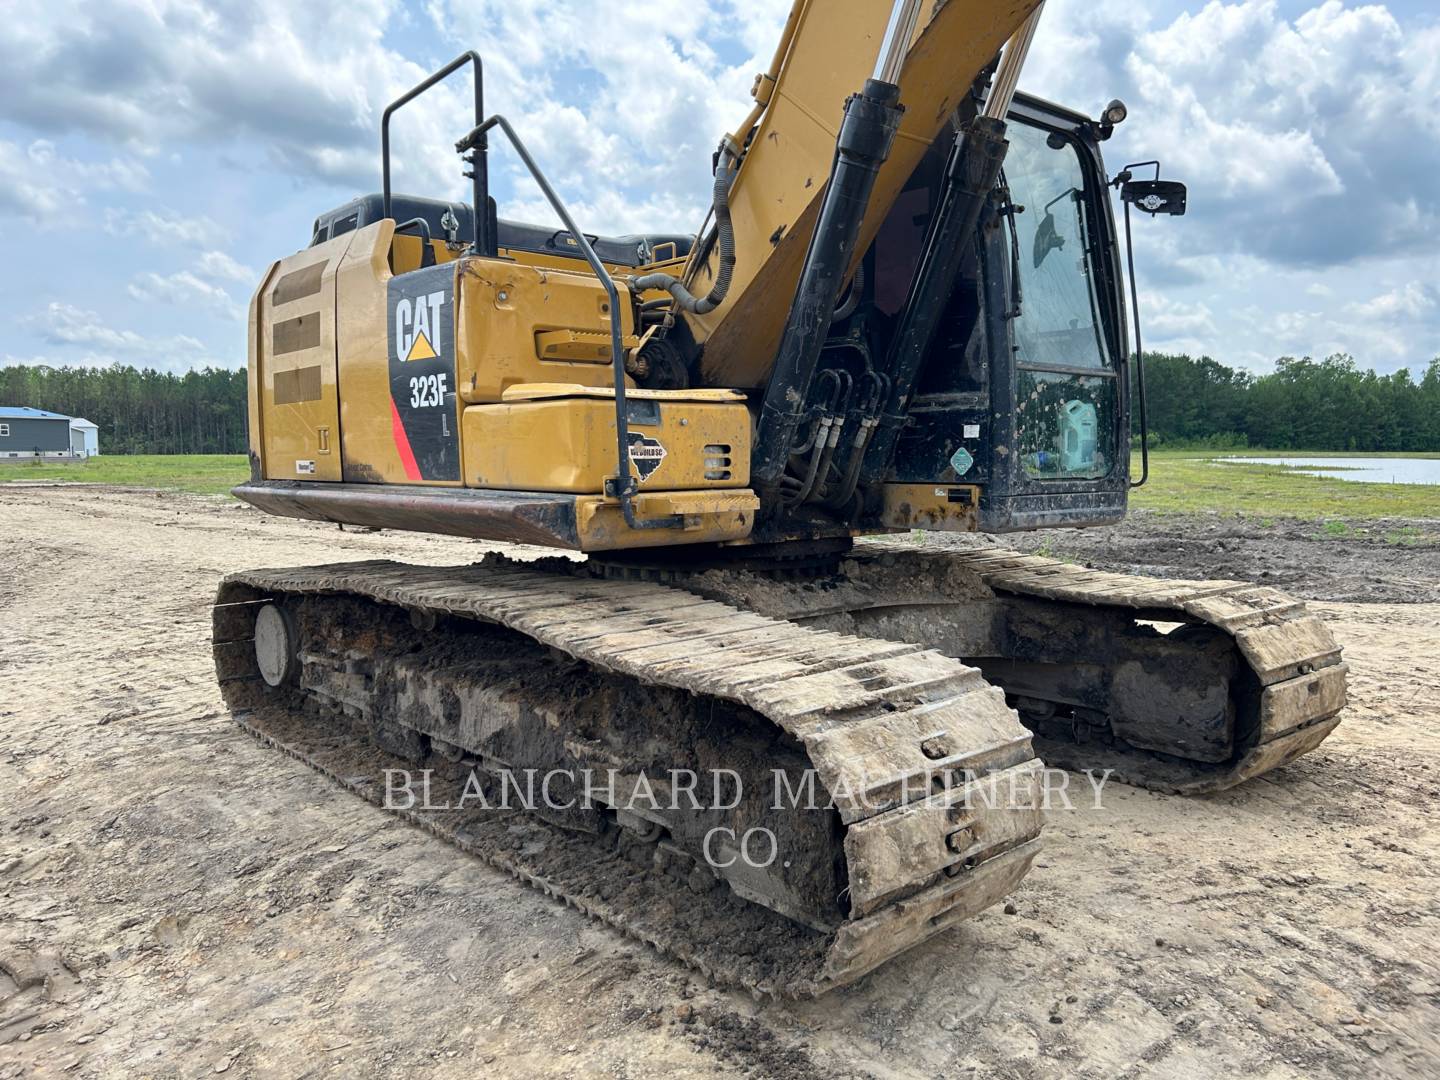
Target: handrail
[
  {"x": 479, "y": 173},
  {"x": 624, "y": 486},
  {"x": 427, "y": 253}
]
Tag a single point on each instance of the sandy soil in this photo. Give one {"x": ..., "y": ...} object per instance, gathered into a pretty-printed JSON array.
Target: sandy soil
[{"x": 203, "y": 906}]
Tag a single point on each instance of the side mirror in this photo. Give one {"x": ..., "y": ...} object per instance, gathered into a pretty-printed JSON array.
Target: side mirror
[
  {"x": 1047, "y": 236},
  {"x": 1155, "y": 196},
  {"x": 1047, "y": 239}
]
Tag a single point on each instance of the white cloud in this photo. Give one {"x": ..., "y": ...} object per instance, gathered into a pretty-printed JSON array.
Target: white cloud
[
  {"x": 1304, "y": 140},
  {"x": 1166, "y": 318},
  {"x": 117, "y": 174},
  {"x": 163, "y": 227},
  {"x": 305, "y": 81},
  {"x": 196, "y": 289},
  {"x": 219, "y": 266},
  {"x": 184, "y": 289},
  {"x": 65, "y": 324},
  {"x": 23, "y": 189},
  {"x": 1411, "y": 300},
  {"x": 625, "y": 125},
  {"x": 42, "y": 185},
  {"x": 1382, "y": 332}
]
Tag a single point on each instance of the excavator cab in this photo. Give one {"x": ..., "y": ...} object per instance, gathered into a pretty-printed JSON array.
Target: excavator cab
[{"x": 1024, "y": 391}]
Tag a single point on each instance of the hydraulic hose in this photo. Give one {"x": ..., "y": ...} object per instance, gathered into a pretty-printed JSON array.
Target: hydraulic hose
[
  {"x": 724, "y": 177},
  {"x": 869, "y": 421},
  {"x": 852, "y": 298}
]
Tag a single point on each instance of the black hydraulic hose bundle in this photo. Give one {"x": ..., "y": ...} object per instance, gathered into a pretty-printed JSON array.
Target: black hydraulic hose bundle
[
  {"x": 867, "y": 421},
  {"x": 725, "y": 232},
  {"x": 825, "y": 438}
]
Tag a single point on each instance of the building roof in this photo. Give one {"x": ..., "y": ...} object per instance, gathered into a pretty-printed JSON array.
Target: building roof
[
  {"x": 24, "y": 412},
  {"x": 80, "y": 421}
]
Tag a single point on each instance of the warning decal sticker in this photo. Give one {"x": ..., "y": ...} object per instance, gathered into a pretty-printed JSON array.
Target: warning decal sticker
[
  {"x": 423, "y": 414},
  {"x": 646, "y": 454}
]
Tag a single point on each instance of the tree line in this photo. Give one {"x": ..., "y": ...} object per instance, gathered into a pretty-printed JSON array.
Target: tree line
[
  {"x": 140, "y": 411},
  {"x": 1304, "y": 404}
]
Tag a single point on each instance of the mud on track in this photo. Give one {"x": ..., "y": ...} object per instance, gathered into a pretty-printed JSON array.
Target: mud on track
[{"x": 201, "y": 904}]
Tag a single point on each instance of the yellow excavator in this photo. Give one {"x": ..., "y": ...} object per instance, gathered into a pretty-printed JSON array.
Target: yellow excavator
[{"x": 776, "y": 751}]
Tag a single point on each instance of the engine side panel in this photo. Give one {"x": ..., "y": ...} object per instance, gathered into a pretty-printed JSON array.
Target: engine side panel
[{"x": 294, "y": 386}]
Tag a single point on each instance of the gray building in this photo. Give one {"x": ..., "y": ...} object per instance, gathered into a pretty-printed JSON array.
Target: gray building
[
  {"x": 29, "y": 433},
  {"x": 84, "y": 437}
]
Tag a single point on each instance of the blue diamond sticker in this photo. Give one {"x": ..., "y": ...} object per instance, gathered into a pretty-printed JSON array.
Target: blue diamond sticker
[{"x": 961, "y": 461}]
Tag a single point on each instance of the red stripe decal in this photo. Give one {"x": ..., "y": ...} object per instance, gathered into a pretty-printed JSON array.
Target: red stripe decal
[{"x": 402, "y": 443}]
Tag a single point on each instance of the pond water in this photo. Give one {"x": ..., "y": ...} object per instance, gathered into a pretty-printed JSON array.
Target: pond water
[{"x": 1363, "y": 470}]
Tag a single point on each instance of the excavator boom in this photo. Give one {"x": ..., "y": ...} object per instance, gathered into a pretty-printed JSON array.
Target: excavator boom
[{"x": 832, "y": 49}]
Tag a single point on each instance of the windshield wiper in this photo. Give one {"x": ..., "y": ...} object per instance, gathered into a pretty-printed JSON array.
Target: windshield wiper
[{"x": 1008, "y": 210}]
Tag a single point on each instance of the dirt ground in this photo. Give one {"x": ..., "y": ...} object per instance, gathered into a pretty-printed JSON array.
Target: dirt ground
[
  {"x": 1393, "y": 560},
  {"x": 203, "y": 906}
]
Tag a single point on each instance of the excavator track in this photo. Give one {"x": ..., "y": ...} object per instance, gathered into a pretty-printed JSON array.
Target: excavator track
[
  {"x": 934, "y": 807},
  {"x": 1185, "y": 687},
  {"x": 1292, "y": 683}
]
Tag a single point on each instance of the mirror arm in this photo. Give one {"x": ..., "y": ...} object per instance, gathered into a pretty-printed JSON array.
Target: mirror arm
[
  {"x": 1126, "y": 173},
  {"x": 1139, "y": 358}
]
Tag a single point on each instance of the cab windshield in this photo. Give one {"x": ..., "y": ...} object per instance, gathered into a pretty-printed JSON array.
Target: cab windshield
[{"x": 1065, "y": 370}]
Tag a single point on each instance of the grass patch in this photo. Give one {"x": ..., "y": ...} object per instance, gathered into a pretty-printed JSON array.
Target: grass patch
[
  {"x": 1257, "y": 452},
  {"x": 1187, "y": 481},
  {"x": 1050, "y": 549},
  {"x": 1407, "y": 536},
  {"x": 204, "y": 474}
]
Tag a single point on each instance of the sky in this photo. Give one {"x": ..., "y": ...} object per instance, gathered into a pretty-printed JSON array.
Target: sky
[{"x": 157, "y": 155}]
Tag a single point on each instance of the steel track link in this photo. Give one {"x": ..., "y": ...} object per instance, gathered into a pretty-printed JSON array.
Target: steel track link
[
  {"x": 1294, "y": 680},
  {"x": 1290, "y": 652},
  {"x": 880, "y": 721}
]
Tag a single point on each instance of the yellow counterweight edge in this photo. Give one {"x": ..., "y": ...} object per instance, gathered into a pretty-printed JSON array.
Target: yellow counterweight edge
[{"x": 710, "y": 516}]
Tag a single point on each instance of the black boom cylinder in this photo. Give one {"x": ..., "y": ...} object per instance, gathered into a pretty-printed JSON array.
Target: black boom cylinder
[{"x": 866, "y": 133}]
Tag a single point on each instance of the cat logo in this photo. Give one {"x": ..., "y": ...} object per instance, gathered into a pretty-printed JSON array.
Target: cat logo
[
  {"x": 424, "y": 411},
  {"x": 418, "y": 326}
]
